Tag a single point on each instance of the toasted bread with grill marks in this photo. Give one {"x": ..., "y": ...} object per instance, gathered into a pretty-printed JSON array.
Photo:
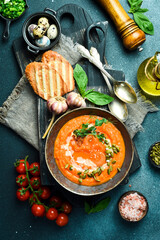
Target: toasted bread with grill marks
[
  {"x": 62, "y": 66},
  {"x": 45, "y": 80}
]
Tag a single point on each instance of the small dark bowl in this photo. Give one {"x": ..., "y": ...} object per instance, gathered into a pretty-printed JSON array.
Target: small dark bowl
[
  {"x": 128, "y": 193},
  {"x": 150, "y": 158},
  {"x": 33, "y": 19},
  {"x": 77, "y": 188}
]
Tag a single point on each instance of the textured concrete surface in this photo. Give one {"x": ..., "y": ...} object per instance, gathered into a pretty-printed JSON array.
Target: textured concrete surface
[{"x": 17, "y": 221}]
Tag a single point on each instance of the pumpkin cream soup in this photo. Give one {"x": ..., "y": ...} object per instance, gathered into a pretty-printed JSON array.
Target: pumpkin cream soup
[{"x": 89, "y": 150}]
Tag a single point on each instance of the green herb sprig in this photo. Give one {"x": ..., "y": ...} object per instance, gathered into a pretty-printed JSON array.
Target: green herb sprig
[
  {"x": 91, "y": 95},
  {"x": 142, "y": 21},
  {"x": 101, "y": 205}
]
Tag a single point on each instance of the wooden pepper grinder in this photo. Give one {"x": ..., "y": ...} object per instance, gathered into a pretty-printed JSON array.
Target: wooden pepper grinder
[{"x": 131, "y": 35}]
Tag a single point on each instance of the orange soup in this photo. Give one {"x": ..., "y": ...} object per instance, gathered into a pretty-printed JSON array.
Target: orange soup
[{"x": 89, "y": 150}]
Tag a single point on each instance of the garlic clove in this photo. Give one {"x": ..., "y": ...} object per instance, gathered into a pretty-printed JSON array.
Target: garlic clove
[
  {"x": 74, "y": 100},
  {"x": 57, "y": 105}
]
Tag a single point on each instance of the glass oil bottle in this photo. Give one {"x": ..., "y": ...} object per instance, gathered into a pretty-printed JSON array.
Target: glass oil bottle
[{"x": 148, "y": 75}]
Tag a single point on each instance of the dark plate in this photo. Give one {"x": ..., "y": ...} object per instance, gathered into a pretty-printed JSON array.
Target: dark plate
[
  {"x": 150, "y": 158},
  {"x": 80, "y": 189},
  {"x": 127, "y": 193}
]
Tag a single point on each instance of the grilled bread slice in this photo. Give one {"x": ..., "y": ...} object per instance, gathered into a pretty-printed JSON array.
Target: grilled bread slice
[
  {"x": 62, "y": 66},
  {"x": 45, "y": 80}
]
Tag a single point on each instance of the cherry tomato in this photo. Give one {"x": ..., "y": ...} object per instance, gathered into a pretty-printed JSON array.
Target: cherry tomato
[
  {"x": 62, "y": 219},
  {"x": 52, "y": 214},
  {"x": 66, "y": 207},
  {"x": 35, "y": 182},
  {"x": 22, "y": 194},
  {"x": 20, "y": 166},
  {"x": 34, "y": 169},
  {"x": 32, "y": 199},
  {"x": 21, "y": 180},
  {"x": 45, "y": 192},
  {"x": 55, "y": 201},
  {"x": 38, "y": 210}
]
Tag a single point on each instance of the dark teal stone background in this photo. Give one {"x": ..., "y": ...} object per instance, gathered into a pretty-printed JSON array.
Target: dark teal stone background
[{"x": 16, "y": 220}]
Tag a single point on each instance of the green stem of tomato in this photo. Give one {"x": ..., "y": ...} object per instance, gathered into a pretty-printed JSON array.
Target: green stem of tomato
[{"x": 30, "y": 186}]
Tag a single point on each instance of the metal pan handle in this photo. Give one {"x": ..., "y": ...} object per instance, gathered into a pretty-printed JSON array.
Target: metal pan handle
[
  {"x": 32, "y": 50},
  {"x": 6, "y": 30},
  {"x": 50, "y": 11}
]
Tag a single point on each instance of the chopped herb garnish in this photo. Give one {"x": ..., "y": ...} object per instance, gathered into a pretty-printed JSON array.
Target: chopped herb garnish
[
  {"x": 84, "y": 131},
  {"x": 12, "y": 9},
  {"x": 100, "y": 122}
]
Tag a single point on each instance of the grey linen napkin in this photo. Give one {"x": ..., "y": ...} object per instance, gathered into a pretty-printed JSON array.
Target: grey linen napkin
[{"x": 19, "y": 111}]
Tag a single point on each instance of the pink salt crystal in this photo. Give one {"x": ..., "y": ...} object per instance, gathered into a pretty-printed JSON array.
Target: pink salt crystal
[{"x": 132, "y": 206}]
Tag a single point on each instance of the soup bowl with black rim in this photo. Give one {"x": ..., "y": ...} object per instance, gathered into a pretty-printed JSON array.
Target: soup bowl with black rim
[{"x": 78, "y": 188}]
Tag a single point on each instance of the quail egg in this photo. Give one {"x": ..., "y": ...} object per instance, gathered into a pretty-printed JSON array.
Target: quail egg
[
  {"x": 52, "y": 32},
  {"x": 43, "y": 42},
  {"x": 43, "y": 21},
  {"x": 31, "y": 27},
  {"x": 39, "y": 31}
]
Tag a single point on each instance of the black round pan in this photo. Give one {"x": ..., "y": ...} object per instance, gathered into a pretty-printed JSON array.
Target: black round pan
[
  {"x": 77, "y": 188},
  {"x": 8, "y": 21}
]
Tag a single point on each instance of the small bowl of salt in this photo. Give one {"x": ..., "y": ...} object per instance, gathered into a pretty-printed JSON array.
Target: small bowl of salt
[{"x": 133, "y": 206}]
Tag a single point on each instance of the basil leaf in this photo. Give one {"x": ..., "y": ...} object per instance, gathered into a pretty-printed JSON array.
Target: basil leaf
[
  {"x": 80, "y": 78},
  {"x": 134, "y": 3},
  {"x": 131, "y": 2},
  {"x": 98, "y": 98},
  {"x": 142, "y": 10},
  {"x": 87, "y": 207},
  {"x": 135, "y": 6},
  {"x": 98, "y": 207},
  {"x": 88, "y": 91},
  {"x": 144, "y": 23}
]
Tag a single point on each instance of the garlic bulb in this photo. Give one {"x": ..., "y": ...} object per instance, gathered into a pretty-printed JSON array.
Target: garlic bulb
[
  {"x": 56, "y": 105},
  {"x": 74, "y": 100}
]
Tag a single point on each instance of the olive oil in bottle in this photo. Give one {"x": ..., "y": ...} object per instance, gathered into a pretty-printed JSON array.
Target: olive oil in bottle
[{"x": 148, "y": 75}]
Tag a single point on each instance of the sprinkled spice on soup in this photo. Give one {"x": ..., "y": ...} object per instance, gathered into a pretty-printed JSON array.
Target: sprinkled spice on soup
[{"x": 89, "y": 150}]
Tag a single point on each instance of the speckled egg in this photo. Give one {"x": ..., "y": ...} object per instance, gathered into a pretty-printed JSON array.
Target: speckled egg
[
  {"x": 52, "y": 32},
  {"x": 43, "y": 42},
  {"x": 31, "y": 28},
  {"x": 39, "y": 31},
  {"x": 43, "y": 21}
]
